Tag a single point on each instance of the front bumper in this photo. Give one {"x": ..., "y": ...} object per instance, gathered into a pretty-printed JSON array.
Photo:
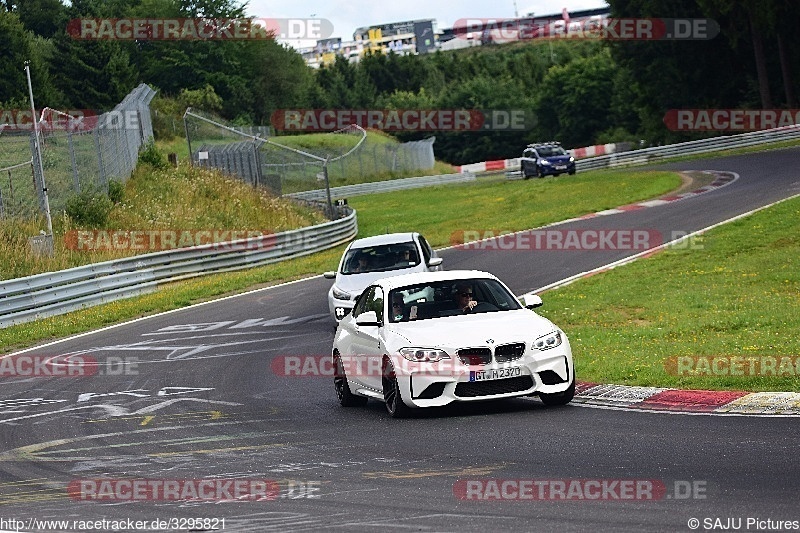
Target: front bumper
[
  {"x": 552, "y": 170},
  {"x": 339, "y": 308},
  {"x": 546, "y": 372}
]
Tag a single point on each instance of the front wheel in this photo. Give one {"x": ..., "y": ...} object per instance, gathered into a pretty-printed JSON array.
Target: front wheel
[
  {"x": 539, "y": 172},
  {"x": 346, "y": 398},
  {"x": 391, "y": 393},
  {"x": 525, "y": 174},
  {"x": 559, "y": 398}
]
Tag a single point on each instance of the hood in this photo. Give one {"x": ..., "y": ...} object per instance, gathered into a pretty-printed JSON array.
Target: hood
[
  {"x": 356, "y": 283},
  {"x": 558, "y": 159},
  {"x": 452, "y": 333}
]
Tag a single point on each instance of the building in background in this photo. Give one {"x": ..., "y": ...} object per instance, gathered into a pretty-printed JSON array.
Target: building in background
[
  {"x": 402, "y": 38},
  {"x": 423, "y": 37}
]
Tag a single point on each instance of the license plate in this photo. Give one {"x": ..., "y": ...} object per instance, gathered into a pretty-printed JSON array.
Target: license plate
[
  {"x": 497, "y": 373},
  {"x": 561, "y": 167}
]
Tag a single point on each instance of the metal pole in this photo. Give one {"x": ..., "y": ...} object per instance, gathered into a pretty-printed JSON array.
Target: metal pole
[
  {"x": 327, "y": 187},
  {"x": 188, "y": 139},
  {"x": 38, "y": 149},
  {"x": 74, "y": 163}
]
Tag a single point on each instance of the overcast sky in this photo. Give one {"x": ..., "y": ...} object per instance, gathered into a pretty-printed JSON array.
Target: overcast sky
[{"x": 347, "y": 15}]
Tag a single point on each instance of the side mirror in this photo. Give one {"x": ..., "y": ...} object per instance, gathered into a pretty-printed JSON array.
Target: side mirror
[
  {"x": 368, "y": 318},
  {"x": 532, "y": 301},
  {"x": 329, "y": 275},
  {"x": 435, "y": 261}
]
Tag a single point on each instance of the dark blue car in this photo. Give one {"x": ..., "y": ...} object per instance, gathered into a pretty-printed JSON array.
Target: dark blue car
[{"x": 540, "y": 160}]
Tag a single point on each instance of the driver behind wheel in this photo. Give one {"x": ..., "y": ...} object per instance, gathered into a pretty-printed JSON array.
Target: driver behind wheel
[{"x": 464, "y": 297}]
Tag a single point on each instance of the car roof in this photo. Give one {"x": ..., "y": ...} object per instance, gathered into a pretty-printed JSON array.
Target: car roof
[
  {"x": 377, "y": 240},
  {"x": 544, "y": 144},
  {"x": 404, "y": 280}
]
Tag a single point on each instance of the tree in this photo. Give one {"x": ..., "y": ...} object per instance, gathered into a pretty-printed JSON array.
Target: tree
[
  {"x": 15, "y": 44},
  {"x": 19, "y": 46},
  {"x": 574, "y": 100},
  {"x": 42, "y": 17},
  {"x": 92, "y": 74}
]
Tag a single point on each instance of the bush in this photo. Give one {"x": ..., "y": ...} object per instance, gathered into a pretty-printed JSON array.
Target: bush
[
  {"x": 89, "y": 208},
  {"x": 167, "y": 116},
  {"x": 116, "y": 191},
  {"x": 152, "y": 156}
]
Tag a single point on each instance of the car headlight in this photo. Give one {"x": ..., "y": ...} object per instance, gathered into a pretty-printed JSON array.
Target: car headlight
[
  {"x": 424, "y": 355},
  {"x": 545, "y": 342},
  {"x": 571, "y": 159},
  {"x": 545, "y": 162},
  {"x": 340, "y": 295}
]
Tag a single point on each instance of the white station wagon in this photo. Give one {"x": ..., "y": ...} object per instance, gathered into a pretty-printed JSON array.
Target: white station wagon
[
  {"x": 371, "y": 258},
  {"x": 430, "y": 339}
]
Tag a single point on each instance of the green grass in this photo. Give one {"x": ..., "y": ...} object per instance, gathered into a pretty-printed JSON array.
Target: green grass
[
  {"x": 179, "y": 199},
  {"x": 737, "y": 296},
  {"x": 443, "y": 213},
  {"x": 486, "y": 202}
]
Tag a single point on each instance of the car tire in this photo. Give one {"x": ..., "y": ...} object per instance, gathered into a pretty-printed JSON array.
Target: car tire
[
  {"x": 346, "y": 398},
  {"x": 525, "y": 174},
  {"x": 392, "y": 395},
  {"x": 559, "y": 398},
  {"x": 539, "y": 172},
  {"x": 571, "y": 172}
]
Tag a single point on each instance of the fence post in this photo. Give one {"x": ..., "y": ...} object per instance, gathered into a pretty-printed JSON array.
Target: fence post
[
  {"x": 188, "y": 138},
  {"x": 71, "y": 144},
  {"x": 328, "y": 187},
  {"x": 100, "y": 164}
]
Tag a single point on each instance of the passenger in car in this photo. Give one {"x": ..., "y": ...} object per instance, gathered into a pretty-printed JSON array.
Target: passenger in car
[{"x": 398, "y": 308}]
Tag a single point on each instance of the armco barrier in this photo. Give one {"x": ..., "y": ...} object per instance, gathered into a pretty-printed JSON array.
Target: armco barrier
[
  {"x": 55, "y": 293},
  {"x": 490, "y": 166},
  {"x": 347, "y": 191},
  {"x": 599, "y": 149},
  {"x": 655, "y": 154}
]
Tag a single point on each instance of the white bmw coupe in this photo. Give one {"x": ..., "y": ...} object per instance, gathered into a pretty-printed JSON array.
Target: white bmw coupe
[{"x": 432, "y": 338}]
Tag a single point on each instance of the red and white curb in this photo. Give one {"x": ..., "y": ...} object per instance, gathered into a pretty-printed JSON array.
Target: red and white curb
[
  {"x": 695, "y": 402},
  {"x": 722, "y": 180}
]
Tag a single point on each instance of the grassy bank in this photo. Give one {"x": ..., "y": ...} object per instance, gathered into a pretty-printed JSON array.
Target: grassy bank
[
  {"x": 179, "y": 199},
  {"x": 738, "y": 296}
]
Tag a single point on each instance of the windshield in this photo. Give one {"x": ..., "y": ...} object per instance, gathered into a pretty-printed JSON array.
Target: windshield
[
  {"x": 380, "y": 258},
  {"x": 449, "y": 298},
  {"x": 550, "y": 151}
]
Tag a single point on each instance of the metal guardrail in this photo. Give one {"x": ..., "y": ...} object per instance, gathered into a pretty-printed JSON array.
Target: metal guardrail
[
  {"x": 702, "y": 146},
  {"x": 55, "y": 293},
  {"x": 655, "y": 154},
  {"x": 358, "y": 189}
]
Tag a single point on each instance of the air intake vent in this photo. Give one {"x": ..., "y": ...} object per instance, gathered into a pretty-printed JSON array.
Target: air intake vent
[
  {"x": 475, "y": 356},
  {"x": 509, "y": 352}
]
